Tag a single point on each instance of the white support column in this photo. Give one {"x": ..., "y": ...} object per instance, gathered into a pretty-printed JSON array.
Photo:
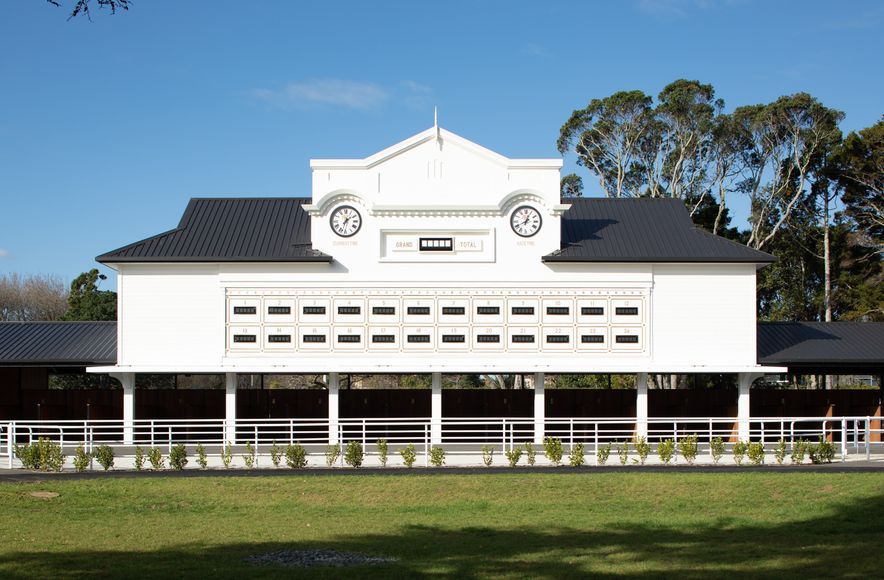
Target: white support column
[
  {"x": 230, "y": 408},
  {"x": 128, "y": 382},
  {"x": 641, "y": 405},
  {"x": 436, "y": 410},
  {"x": 539, "y": 409},
  {"x": 334, "y": 383},
  {"x": 744, "y": 381}
]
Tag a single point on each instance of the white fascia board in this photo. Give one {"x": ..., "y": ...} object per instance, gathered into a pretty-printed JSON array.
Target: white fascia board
[{"x": 393, "y": 366}]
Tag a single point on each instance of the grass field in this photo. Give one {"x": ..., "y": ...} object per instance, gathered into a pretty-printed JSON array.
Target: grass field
[{"x": 477, "y": 525}]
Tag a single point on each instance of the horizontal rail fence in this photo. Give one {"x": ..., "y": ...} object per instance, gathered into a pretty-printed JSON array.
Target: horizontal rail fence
[{"x": 463, "y": 435}]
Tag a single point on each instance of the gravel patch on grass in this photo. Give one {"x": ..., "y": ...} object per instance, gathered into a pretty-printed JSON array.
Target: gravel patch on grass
[{"x": 309, "y": 558}]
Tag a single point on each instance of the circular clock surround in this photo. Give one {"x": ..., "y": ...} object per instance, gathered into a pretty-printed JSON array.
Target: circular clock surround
[
  {"x": 345, "y": 221},
  {"x": 526, "y": 221}
]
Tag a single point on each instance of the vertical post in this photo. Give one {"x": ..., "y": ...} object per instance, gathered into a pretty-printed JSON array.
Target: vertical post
[
  {"x": 230, "y": 408},
  {"x": 436, "y": 410},
  {"x": 128, "y": 382},
  {"x": 539, "y": 408},
  {"x": 744, "y": 382},
  {"x": 10, "y": 442},
  {"x": 641, "y": 405},
  {"x": 333, "y": 409},
  {"x": 843, "y": 439}
]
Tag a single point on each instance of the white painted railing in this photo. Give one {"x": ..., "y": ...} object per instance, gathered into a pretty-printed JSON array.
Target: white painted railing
[{"x": 461, "y": 435}]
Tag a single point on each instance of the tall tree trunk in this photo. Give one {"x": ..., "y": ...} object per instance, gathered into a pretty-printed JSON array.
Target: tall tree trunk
[
  {"x": 827, "y": 257},
  {"x": 827, "y": 267}
]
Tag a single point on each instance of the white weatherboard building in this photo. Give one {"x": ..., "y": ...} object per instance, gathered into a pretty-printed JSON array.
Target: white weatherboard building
[{"x": 436, "y": 255}]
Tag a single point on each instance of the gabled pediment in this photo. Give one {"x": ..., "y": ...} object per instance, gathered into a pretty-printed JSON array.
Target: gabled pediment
[
  {"x": 434, "y": 137},
  {"x": 435, "y": 168}
]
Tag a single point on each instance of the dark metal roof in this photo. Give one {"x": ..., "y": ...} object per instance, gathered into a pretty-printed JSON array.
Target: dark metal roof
[
  {"x": 58, "y": 343},
  {"x": 642, "y": 230},
  {"x": 820, "y": 345},
  {"x": 230, "y": 230}
]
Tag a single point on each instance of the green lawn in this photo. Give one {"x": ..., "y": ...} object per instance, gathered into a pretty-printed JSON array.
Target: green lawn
[{"x": 480, "y": 525}]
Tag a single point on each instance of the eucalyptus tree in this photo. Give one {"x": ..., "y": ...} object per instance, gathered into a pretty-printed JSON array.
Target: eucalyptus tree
[
  {"x": 677, "y": 150},
  {"x": 606, "y": 136},
  {"x": 788, "y": 140}
]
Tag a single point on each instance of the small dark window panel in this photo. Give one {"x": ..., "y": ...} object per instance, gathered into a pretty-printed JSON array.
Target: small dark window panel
[
  {"x": 523, "y": 338},
  {"x": 279, "y": 310},
  {"x": 522, "y": 310},
  {"x": 383, "y": 310},
  {"x": 454, "y": 310},
  {"x": 279, "y": 338},
  {"x": 383, "y": 338},
  {"x": 558, "y": 338},
  {"x": 351, "y": 310},
  {"x": 486, "y": 338},
  {"x": 314, "y": 338},
  {"x": 314, "y": 310},
  {"x": 419, "y": 310},
  {"x": 418, "y": 338},
  {"x": 488, "y": 310},
  {"x": 436, "y": 244},
  {"x": 245, "y": 310},
  {"x": 592, "y": 338},
  {"x": 592, "y": 311},
  {"x": 454, "y": 338},
  {"x": 558, "y": 310},
  {"x": 245, "y": 338},
  {"x": 349, "y": 338},
  {"x": 627, "y": 339},
  {"x": 626, "y": 311}
]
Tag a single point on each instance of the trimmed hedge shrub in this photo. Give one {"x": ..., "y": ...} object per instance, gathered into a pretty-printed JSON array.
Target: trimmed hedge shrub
[
  {"x": 437, "y": 456},
  {"x": 332, "y": 452},
  {"x": 602, "y": 454},
  {"x": 296, "y": 456},
  {"x": 688, "y": 447},
  {"x": 642, "y": 449},
  {"x": 383, "y": 451},
  {"x": 81, "y": 459},
  {"x": 354, "y": 454},
  {"x": 739, "y": 452},
  {"x": 201, "y": 458},
  {"x": 575, "y": 457},
  {"x": 409, "y": 455},
  {"x": 513, "y": 456},
  {"x": 487, "y": 455},
  {"x": 666, "y": 449},
  {"x": 552, "y": 448},
  {"x": 755, "y": 452},
  {"x": 178, "y": 457},
  {"x": 104, "y": 455}
]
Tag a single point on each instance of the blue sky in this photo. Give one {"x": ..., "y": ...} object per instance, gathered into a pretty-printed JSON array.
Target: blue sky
[{"x": 108, "y": 127}]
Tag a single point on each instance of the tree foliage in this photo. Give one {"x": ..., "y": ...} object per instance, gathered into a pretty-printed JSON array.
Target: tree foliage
[
  {"x": 34, "y": 297},
  {"x": 82, "y": 7},
  {"x": 814, "y": 199},
  {"x": 87, "y": 302},
  {"x": 571, "y": 186}
]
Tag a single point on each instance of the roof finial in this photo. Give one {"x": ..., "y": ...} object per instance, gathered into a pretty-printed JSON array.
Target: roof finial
[{"x": 436, "y": 125}]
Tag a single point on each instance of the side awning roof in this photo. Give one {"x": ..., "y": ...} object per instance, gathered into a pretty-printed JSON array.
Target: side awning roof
[
  {"x": 823, "y": 347},
  {"x": 57, "y": 344}
]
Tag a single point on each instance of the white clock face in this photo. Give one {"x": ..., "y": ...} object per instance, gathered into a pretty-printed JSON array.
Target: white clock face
[
  {"x": 526, "y": 221},
  {"x": 346, "y": 221}
]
